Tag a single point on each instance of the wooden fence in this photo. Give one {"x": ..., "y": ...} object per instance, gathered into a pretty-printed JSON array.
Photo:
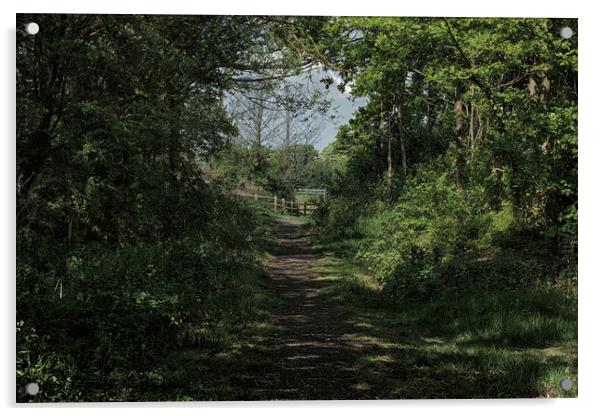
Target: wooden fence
[{"x": 293, "y": 207}]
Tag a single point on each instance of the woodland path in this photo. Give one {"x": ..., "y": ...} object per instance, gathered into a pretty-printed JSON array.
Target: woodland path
[
  {"x": 316, "y": 346},
  {"x": 315, "y": 351}
]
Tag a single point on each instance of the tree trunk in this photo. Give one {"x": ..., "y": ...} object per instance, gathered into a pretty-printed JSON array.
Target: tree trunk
[
  {"x": 389, "y": 165},
  {"x": 402, "y": 140},
  {"x": 471, "y": 133},
  {"x": 430, "y": 119},
  {"x": 459, "y": 140},
  {"x": 258, "y": 138},
  {"x": 387, "y": 132}
]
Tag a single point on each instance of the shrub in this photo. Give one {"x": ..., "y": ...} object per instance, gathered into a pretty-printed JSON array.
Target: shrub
[
  {"x": 438, "y": 238},
  {"x": 83, "y": 330}
]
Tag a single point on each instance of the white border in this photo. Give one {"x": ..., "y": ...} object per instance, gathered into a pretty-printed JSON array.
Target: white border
[{"x": 590, "y": 208}]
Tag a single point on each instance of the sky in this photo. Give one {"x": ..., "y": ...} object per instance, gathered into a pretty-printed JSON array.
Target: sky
[{"x": 343, "y": 104}]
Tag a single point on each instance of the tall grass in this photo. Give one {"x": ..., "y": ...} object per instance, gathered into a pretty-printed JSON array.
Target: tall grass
[
  {"x": 514, "y": 343},
  {"x": 516, "y": 317}
]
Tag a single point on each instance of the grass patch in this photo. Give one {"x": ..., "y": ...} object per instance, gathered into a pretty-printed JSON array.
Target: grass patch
[
  {"x": 207, "y": 354},
  {"x": 166, "y": 321},
  {"x": 508, "y": 344}
]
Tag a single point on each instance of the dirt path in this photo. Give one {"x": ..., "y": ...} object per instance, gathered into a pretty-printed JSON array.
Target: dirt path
[
  {"x": 310, "y": 346},
  {"x": 315, "y": 351}
]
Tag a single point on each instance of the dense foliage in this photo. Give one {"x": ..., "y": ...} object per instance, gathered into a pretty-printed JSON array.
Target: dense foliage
[
  {"x": 467, "y": 148},
  {"x": 122, "y": 242},
  {"x": 284, "y": 170},
  {"x": 137, "y": 268}
]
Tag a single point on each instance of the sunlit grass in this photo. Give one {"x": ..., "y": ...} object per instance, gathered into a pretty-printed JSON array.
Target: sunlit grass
[{"x": 507, "y": 344}]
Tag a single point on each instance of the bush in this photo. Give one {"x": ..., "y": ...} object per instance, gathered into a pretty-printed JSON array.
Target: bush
[
  {"x": 438, "y": 238},
  {"x": 82, "y": 334},
  {"x": 53, "y": 372},
  {"x": 336, "y": 218}
]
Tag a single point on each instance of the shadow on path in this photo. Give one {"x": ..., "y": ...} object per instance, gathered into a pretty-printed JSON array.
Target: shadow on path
[
  {"x": 318, "y": 351},
  {"x": 315, "y": 352}
]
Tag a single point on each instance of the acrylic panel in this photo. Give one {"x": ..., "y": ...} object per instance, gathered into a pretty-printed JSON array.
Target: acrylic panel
[{"x": 295, "y": 208}]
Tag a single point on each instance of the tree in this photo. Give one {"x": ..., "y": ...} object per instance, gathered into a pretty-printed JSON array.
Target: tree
[
  {"x": 480, "y": 103},
  {"x": 115, "y": 116}
]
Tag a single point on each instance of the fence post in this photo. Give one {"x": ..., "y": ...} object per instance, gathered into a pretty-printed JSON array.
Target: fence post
[
  {"x": 284, "y": 205},
  {"x": 275, "y": 203},
  {"x": 304, "y": 207},
  {"x": 297, "y": 207},
  {"x": 255, "y": 196}
]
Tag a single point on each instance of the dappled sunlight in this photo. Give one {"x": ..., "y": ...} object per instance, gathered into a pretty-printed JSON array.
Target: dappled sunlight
[
  {"x": 385, "y": 358},
  {"x": 323, "y": 351}
]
